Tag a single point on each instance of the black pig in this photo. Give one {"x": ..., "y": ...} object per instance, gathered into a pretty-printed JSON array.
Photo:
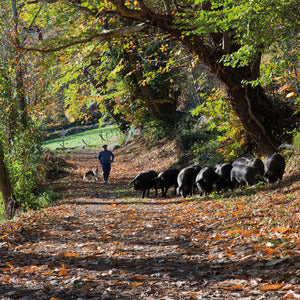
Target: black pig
[
  {"x": 245, "y": 160},
  {"x": 206, "y": 179},
  {"x": 258, "y": 164},
  {"x": 186, "y": 180},
  {"x": 245, "y": 175},
  {"x": 224, "y": 170},
  {"x": 274, "y": 167},
  {"x": 144, "y": 182},
  {"x": 166, "y": 179}
]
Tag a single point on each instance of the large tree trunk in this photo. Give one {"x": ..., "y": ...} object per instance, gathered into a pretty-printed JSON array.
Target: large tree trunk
[
  {"x": 254, "y": 109},
  {"x": 5, "y": 186},
  {"x": 258, "y": 114},
  {"x": 19, "y": 68},
  {"x": 264, "y": 122}
]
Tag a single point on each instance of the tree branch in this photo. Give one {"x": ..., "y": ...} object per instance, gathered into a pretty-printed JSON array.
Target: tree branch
[
  {"x": 127, "y": 12},
  {"x": 144, "y": 8},
  {"x": 104, "y": 35}
]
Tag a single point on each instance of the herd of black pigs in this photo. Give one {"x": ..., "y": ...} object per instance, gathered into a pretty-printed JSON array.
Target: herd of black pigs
[{"x": 246, "y": 170}]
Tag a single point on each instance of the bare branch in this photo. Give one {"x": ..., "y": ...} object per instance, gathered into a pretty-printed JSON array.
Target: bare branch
[{"x": 104, "y": 35}]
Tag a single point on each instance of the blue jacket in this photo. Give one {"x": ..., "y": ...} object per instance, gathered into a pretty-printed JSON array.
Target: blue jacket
[{"x": 106, "y": 157}]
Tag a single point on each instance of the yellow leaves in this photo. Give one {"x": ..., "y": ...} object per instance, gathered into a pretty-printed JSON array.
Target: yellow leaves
[{"x": 163, "y": 48}]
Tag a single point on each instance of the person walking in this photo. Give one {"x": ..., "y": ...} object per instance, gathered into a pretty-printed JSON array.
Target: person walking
[{"x": 105, "y": 157}]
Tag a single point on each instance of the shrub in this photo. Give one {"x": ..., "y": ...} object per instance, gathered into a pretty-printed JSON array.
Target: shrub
[
  {"x": 230, "y": 140},
  {"x": 44, "y": 199},
  {"x": 155, "y": 130},
  {"x": 22, "y": 157}
]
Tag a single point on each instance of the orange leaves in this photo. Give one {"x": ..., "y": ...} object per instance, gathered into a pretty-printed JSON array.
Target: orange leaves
[
  {"x": 239, "y": 232},
  {"x": 284, "y": 88},
  {"x": 139, "y": 277},
  {"x": 139, "y": 280},
  {"x": 63, "y": 271},
  {"x": 10, "y": 265},
  {"x": 271, "y": 287},
  {"x": 120, "y": 246},
  {"x": 67, "y": 254},
  {"x": 287, "y": 88},
  {"x": 282, "y": 229},
  {"x": 233, "y": 287},
  {"x": 135, "y": 284},
  {"x": 194, "y": 295},
  {"x": 229, "y": 252}
]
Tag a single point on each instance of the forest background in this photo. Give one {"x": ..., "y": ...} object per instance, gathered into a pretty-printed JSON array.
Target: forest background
[{"x": 221, "y": 77}]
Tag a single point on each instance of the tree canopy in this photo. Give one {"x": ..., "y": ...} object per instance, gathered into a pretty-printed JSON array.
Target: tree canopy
[
  {"x": 234, "y": 40},
  {"x": 141, "y": 61}
]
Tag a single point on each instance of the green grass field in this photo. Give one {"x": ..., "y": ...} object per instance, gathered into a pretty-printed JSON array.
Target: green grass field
[{"x": 90, "y": 137}]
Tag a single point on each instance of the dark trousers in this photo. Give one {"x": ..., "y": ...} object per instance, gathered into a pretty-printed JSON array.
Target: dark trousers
[{"x": 106, "y": 171}]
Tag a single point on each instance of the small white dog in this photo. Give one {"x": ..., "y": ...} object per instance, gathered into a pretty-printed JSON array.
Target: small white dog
[{"x": 91, "y": 175}]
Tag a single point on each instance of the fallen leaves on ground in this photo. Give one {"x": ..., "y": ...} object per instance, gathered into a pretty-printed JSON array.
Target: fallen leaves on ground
[{"x": 104, "y": 242}]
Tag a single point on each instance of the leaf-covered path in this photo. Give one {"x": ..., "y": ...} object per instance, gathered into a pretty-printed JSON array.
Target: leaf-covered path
[{"x": 104, "y": 242}]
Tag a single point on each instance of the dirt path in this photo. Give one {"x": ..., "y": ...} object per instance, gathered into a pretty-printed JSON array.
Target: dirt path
[{"x": 104, "y": 242}]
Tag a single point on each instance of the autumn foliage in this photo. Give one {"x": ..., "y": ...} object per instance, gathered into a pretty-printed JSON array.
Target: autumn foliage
[{"x": 104, "y": 242}]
